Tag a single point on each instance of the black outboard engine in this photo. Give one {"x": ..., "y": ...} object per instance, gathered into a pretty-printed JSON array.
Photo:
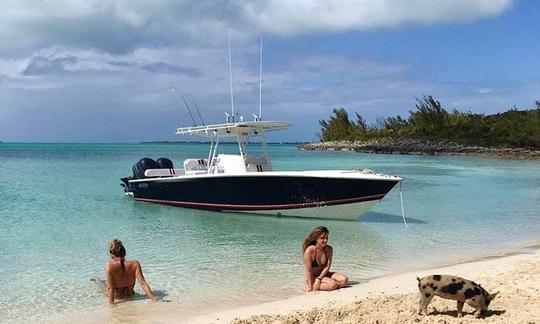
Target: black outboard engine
[
  {"x": 143, "y": 165},
  {"x": 164, "y": 163}
]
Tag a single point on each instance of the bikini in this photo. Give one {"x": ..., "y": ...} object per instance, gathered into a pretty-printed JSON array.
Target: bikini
[
  {"x": 315, "y": 264},
  {"x": 120, "y": 292}
]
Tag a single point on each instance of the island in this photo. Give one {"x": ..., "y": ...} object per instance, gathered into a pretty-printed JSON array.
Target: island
[{"x": 431, "y": 129}]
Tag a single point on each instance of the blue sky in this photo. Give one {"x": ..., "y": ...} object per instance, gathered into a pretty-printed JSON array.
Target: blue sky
[{"x": 101, "y": 71}]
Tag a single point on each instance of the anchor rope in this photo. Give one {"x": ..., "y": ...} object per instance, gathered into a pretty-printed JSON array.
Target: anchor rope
[{"x": 401, "y": 200}]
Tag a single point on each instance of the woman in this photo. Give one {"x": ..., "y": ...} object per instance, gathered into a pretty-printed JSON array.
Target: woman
[
  {"x": 121, "y": 275},
  {"x": 318, "y": 260}
]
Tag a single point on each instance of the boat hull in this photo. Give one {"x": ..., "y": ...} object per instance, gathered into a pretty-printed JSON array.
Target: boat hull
[{"x": 282, "y": 195}]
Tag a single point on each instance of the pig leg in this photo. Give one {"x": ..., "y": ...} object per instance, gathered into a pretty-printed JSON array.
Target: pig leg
[
  {"x": 425, "y": 299},
  {"x": 460, "y": 308},
  {"x": 478, "y": 304}
]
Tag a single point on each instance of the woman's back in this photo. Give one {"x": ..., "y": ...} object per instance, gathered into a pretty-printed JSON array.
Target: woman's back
[{"x": 119, "y": 277}]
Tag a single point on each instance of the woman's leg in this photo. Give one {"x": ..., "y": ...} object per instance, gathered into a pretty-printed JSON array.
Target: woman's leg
[
  {"x": 328, "y": 284},
  {"x": 340, "y": 279}
]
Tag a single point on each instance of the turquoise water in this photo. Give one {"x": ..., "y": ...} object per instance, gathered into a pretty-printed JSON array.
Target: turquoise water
[{"x": 62, "y": 204}]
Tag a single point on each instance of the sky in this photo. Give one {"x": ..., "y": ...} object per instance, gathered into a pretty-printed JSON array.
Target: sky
[{"x": 102, "y": 70}]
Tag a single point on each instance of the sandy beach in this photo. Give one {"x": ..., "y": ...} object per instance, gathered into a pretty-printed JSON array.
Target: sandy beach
[{"x": 394, "y": 299}]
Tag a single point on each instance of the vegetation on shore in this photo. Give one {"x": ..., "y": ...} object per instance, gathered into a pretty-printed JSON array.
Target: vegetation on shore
[{"x": 431, "y": 122}]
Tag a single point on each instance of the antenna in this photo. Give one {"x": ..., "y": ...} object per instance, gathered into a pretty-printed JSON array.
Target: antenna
[
  {"x": 230, "y": 76},
  {"x": 180, "y": 95},
  {"x": 260, "y": 80},
  {"x": 196, "y": 108}
]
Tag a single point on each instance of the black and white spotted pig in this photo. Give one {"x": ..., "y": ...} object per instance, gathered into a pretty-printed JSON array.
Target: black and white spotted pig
[{"x": 455, "y": 288}]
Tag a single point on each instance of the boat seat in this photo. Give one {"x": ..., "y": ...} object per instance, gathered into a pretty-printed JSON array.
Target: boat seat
[
  {"x": 151, "y": 173},
  {"x": 257, "y": 164},
  {"x": 259, "y": 167},
  {"x": 196, "y": 166}
]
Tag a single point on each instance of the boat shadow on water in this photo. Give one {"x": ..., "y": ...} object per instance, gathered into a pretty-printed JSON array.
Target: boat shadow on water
[
  {"x": 368, "y": 218},
  {"x": 376, "y": 217}
]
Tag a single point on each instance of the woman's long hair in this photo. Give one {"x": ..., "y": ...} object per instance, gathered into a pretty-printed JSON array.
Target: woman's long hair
[
  {"x": 117, "y": 249},
  {"x": 312, "y": 237}
]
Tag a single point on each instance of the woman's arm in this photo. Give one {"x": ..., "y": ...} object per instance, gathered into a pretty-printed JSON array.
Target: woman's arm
[
  {"x": 309, "y": 269},
  {"x": 110, "y": 284},
  {"x": 142, "y": 282}
]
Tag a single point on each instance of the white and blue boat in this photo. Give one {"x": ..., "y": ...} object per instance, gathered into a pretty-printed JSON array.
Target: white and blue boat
[{"x": 245, "y": 183}]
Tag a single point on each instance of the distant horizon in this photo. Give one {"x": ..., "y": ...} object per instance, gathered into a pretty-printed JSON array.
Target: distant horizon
[{"x": 145, "y": 142}]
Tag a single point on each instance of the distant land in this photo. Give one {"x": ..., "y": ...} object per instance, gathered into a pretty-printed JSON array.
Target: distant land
[
  {"x": 430, "y": 129},
  {"x": 419, "y": 147}
]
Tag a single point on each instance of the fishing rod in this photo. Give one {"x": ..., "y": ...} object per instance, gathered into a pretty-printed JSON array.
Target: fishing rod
[
  {"x": 230, "y": 76},
  {"x": 179, "y": 95},
  {"x": 196, "y": 108}
]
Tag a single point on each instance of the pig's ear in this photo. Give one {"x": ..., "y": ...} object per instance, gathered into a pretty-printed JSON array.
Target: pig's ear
[{"x": 492, "y": 296}]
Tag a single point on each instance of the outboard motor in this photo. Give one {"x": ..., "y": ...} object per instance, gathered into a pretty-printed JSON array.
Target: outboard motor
[
  {"x": 164, "y": 163},
  {"x": 143, "y": 165}
]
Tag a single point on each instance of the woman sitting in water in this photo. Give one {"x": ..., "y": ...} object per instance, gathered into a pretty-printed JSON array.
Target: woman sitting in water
[
  {"x": 121, "y": 275},
  {"x": 317, "y": 260}
]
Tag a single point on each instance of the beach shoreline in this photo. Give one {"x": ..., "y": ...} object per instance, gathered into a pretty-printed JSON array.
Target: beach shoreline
[
  {"x": 419, "y": 147},
  {"x": 394, "y": 298},
  {"x": 391, "y": 298}
]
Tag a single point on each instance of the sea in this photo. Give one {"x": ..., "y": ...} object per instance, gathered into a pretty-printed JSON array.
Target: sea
[{"x": 61, "y": 204}]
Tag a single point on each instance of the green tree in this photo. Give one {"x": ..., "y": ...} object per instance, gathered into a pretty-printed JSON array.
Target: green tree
[
  {"x": 337, "y": 128},
  {"x": 429, "y": 119},
  {"x": 397, "y": 126}
]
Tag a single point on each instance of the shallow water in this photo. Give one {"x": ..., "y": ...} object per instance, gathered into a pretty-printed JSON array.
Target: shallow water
[{"x": 62, "y": 204}]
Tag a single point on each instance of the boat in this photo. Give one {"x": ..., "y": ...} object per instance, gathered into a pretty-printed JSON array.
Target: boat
[{"x": 246, "y": 182}]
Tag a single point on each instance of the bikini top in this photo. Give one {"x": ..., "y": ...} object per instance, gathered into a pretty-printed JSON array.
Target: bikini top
[{"x": 314, "y": 262}]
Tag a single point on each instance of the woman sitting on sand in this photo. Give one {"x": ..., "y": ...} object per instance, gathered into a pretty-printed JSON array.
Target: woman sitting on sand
[
  {"x": 317, "y": 260},
  {"x": 121, "y": 275}
]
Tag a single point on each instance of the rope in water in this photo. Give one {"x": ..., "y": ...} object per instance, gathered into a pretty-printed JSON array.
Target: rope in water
[{"x": 402, "y": 209}]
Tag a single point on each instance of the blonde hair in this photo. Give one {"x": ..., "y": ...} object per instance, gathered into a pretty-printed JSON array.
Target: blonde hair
[
  {"x": 117, "y": 249},
  {"x": 312, "y": 237}
]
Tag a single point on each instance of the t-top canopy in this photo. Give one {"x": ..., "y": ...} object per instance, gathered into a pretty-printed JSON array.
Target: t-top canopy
[{"x": 233, "y": 129}]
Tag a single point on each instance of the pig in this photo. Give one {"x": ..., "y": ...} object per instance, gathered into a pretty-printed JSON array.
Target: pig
[{"x": 455, "y": 288}]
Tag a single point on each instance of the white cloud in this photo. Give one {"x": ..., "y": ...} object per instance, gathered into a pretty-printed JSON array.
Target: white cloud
[
  {"x": 307, "y": 16},
  {"x": 484, "y": 91},
  {"x": 121, "y": 26}
]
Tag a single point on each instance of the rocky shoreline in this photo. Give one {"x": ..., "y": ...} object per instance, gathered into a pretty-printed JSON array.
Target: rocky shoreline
[{"x": 418, "y": 147}]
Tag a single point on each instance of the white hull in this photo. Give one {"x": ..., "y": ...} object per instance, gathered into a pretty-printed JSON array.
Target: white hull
[{"x": 344, "y": 212}]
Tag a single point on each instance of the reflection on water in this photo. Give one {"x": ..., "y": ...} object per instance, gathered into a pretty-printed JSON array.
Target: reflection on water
[{"x": 376, "y": 217}]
